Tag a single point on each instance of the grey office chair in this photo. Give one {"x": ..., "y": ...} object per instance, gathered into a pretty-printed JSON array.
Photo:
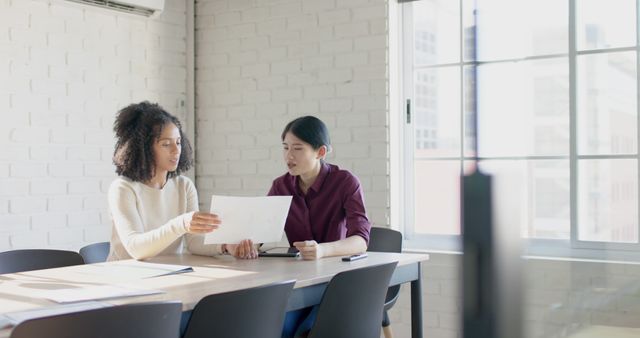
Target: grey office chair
[
  {"x": 255, "y": 312},
  {"x": 95, "y": 253},
  {"x": 352, "y": 304},
  {"x": 36, "y": 259},
  {"x": 149, "y": 320},
  {"x": 386, "y": 240}
]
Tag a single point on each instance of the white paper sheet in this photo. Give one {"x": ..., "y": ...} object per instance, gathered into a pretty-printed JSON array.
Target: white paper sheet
[
  {"x": 15, "y": 318},
  {"x": 134, "y": 269},
  {"x": 94, "y": 293},
  {"x": 5, "y": 322},
  {"x": 260, "y": 219}
]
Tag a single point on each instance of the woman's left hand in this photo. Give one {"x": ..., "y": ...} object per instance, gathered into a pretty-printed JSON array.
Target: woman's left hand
[
  {"x": 309, "y": 249},
  {"x": 245, "y": 249}
]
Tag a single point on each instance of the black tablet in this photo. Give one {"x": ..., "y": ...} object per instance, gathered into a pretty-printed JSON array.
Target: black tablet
[{"x": 280, "y": 252}]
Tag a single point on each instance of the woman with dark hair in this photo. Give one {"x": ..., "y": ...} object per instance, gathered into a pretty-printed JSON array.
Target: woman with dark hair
[
  {"x": 154, "y": 208},
  {"x": 327, "y": 215}
]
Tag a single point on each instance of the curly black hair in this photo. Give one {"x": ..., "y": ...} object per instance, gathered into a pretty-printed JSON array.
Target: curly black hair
[{"x": 137, "y": 127}]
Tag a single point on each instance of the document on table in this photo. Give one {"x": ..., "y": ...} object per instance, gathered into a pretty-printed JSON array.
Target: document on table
[
  {"x": 260, "y": 219},
  {"x": 94, "y": 293},
  {"x": 15, "y": 318},
  {"x": 133, "y": 269}
]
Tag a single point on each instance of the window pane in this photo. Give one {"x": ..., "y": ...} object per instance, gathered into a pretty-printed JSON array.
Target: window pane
[
  {"x": 526, "y": 35},
  {"x": 523, "y": 108},
  {"x": 436, "y": 105},
  {"x": 535, "y": 193},
  {"x": 608, "y": 200},
  {"x": 437, "y": 197},
  {"x": 607, "y": 103},
  {"x": 436, "y": 36},
  {"x": 605, "y": 24}
]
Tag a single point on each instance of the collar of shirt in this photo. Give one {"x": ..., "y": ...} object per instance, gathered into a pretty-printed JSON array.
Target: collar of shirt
[{"x": 317, "y": 184}]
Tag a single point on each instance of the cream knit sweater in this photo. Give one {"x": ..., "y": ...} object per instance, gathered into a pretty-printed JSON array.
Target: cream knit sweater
[{"x": 149, "y": 222}]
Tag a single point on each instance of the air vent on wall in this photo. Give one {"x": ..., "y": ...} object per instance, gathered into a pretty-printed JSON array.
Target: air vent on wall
[{"x": 139, "y": 7}]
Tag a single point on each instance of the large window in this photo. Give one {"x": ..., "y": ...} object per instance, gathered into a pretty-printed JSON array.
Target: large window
[{"x": 558, "y": 118}]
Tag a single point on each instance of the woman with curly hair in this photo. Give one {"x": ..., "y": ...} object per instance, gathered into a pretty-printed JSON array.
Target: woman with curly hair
[{"x": 154, "y": 208}]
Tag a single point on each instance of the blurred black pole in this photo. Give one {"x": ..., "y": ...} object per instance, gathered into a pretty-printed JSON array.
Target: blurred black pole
[{"x": 490, "y": 306}]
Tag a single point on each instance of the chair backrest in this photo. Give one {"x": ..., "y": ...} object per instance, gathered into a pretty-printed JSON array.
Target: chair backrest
[
  {"x": 353, "y": 302},
  {"x": 152, "y": 320},
  {"x": 255, "y": 312},
  {"x": 386, "y": 240},
  {"x": 36, "y": 259},
  {"x": 95, "y": 253}
]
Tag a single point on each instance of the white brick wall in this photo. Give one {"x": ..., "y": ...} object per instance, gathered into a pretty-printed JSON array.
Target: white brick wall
[
  {"x": 263, "y": 63},
  {"x": 66, "y": 69}
]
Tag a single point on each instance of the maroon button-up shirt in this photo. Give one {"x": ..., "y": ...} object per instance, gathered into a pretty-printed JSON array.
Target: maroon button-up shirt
[{"x": 333, "y": 208}]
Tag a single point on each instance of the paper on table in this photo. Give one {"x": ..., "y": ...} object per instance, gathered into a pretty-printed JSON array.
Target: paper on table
[
  {"x": 133, "y": 269},
  {"x": 260, "y": 219},
  {"x": 94, "y": 293},
  {"x": 5, "y": 322},
  {"x": 18, "y": 317}
]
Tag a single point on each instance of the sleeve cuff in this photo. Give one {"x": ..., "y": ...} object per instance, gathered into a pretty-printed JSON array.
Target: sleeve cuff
[
  {"x": 221, "y": 250},
  {"x": 184, "y": 221}
]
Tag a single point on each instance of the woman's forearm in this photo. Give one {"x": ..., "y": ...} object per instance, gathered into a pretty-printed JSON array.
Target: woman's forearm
[{"x": 348, "y": 246}]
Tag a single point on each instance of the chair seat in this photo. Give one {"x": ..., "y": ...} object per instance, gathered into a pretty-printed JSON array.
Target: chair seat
[{"x": 392, "y": 296}]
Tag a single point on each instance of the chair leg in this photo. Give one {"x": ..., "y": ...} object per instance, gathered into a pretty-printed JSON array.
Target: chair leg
[
  {"x": 386, "y": 325},
  {"x": 386, "y": 330}
]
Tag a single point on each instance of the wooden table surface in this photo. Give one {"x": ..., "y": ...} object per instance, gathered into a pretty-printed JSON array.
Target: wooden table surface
[{"x": 19, "y": 291}]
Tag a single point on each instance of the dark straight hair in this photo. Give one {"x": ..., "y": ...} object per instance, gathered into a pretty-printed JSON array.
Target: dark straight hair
[{"x": 310, "y": 129}]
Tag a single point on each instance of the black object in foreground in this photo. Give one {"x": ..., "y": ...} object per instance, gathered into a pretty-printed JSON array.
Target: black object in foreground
[
  {"x": 280, "y": 252},
  {"x": 354, "y": 257}
]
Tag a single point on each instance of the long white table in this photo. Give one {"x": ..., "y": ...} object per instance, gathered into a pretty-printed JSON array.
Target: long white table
[{"x": 18, "y": 292}]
